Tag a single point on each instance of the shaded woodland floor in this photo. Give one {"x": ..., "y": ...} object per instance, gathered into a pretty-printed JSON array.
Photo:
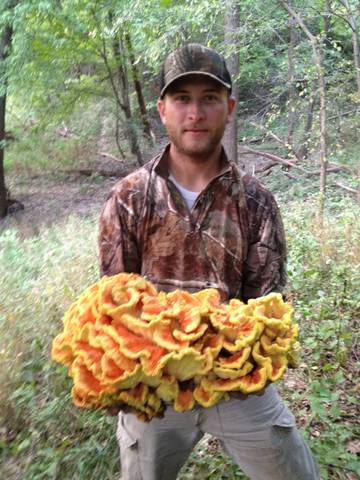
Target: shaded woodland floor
[{"x": 50, "y": 199}]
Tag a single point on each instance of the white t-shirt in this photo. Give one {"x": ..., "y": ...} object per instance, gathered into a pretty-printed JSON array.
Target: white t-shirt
[{"x": 188, "y": 196}]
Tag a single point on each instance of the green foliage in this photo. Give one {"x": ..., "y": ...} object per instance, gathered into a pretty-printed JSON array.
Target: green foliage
[
  {"x": 44, "y": 436},
  {"x": 63, "y": 54}
]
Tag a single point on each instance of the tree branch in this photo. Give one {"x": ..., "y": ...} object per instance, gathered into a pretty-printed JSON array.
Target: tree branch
[
  {"x": 104, "y": 56},
  {"x": 343, "y": 114},
  {"x": 299, "y": 20},
  {"x": 111, "y": 157}
]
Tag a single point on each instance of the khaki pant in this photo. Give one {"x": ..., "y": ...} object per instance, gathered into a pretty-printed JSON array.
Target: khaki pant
[{"x": 258, "y": 432}]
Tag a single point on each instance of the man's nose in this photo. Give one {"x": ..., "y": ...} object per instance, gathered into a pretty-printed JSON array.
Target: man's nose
[{"x": 196, "y": 111}]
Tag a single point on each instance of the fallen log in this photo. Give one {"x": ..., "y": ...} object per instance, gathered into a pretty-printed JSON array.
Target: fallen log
[
  {"x": 265, "y": 168},
  {"x": 328, "y": 170},
  {"x": 88, "y": 172},
  {"x": 274, "y": 158},
  {"x": 345, "y": 187},
  {"x": 110, "y": 156}
]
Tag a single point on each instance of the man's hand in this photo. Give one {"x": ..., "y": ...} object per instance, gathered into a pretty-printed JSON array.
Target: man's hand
[
  {"x": 120, "y": 407},
  {"x": 123, "y": 407}
]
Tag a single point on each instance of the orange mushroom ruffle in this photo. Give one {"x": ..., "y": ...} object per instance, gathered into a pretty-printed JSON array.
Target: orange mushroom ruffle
[{"x": 125, "y": 343}]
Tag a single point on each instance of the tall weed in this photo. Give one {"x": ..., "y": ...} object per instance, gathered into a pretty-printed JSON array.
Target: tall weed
[
  {"x": 324, "y": 286},
  {"x": 42, "y": 435}
]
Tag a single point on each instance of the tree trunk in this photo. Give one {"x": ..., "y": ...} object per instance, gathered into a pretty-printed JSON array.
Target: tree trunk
[
  {"x": 318, "y": 58},
  {"x": 120, "y": 86},
  {"x": 3, "y": 194},
  {"x": 125, "y": 103},
  {"x": 351, "y": 20},
  {"x": 5, "y": 44},
  {"x": 323, "y": 143},
  {"x": 356, "y": 55},
  {"x": 304, "y": 145},
  {"x": 138, "y": 89},
  {"x": 117, "y": 131},
  {"x": 317, "y": 54},
  {"x": 358, "y": 194},
  {"x": 327, "y": 17},
  {"x": 232, "y": 25},
  {"x": 291, "y": 80}
]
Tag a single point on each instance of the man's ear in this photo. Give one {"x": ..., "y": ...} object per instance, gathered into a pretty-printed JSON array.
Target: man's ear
[
  {"x": 161, "y": 109},
  {"x": 231, "y": 107}
]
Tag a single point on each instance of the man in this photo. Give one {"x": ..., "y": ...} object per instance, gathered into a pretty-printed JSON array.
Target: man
[{"x": 189, "y": 219}]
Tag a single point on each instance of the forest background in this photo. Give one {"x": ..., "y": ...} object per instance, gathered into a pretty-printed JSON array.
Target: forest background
[{"x": 78, "y": 90}]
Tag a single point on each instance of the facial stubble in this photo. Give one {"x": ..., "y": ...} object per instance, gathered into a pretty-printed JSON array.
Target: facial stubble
[{"x": 198, "y": 152}]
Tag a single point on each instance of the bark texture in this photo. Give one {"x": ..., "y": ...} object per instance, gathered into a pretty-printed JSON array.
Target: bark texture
[
  {"x": 291, "y": 80},
  {"x": 5, "y": 45},
  {"x": 232, "y": 25},
  {"x": 138, "y": 89},
  {"x": 124, "y": 104}
]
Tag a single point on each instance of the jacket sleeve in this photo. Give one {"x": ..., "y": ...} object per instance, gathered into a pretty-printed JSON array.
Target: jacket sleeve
[
  {"x": 117, "y": 244},
  {"x": 265, "y": 265}
]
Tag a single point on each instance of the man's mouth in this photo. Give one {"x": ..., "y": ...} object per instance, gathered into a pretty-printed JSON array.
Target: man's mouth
[{"x": 195, "y": 130}]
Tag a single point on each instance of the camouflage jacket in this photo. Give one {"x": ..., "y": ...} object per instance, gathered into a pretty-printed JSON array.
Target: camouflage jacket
[{"x": 232, "y": 239}]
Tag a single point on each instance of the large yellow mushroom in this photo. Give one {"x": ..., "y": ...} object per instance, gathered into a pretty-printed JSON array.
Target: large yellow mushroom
[{"x": 124, "y": 342}]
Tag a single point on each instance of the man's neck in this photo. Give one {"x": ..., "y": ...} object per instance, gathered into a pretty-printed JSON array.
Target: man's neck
[{"x": 194, "y": 173}]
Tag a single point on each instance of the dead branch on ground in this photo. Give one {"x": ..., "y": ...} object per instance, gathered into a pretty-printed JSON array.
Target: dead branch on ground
[
  {"x": 282, "y": 142},
  {"x": 274, "y": 158},
  {"x": 265, "y": 168},
  {"x": 345, "y": 187}
]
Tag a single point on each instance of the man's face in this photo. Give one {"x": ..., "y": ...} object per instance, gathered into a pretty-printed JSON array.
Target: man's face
[{"x": 195, "y": 111}]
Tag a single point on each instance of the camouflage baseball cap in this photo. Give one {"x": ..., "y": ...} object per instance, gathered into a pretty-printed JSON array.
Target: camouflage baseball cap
[{"x": 194, "y": 59}]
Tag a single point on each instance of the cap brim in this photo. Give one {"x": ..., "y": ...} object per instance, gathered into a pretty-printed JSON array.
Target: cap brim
[{"x": 195, "y": 72}]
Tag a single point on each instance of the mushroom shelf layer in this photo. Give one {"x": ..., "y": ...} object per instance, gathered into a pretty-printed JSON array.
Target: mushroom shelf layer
[{"x": 126, "y": 343}]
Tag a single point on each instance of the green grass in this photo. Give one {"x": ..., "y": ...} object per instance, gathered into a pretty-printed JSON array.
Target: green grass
[{"x": 43, "y": 436}]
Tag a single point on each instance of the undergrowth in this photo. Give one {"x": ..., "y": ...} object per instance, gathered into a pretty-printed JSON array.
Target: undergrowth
[
  {"x": 324, "y": 286},
  {"x": 50, "y": 143},
  {"x": 37, "y": 152},
  {"x": 43, "y": 436}
]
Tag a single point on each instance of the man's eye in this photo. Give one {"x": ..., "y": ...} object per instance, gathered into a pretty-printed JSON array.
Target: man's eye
[
  {"x": 182, "y": 98},
  {"x": 210, "y": 98}
]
